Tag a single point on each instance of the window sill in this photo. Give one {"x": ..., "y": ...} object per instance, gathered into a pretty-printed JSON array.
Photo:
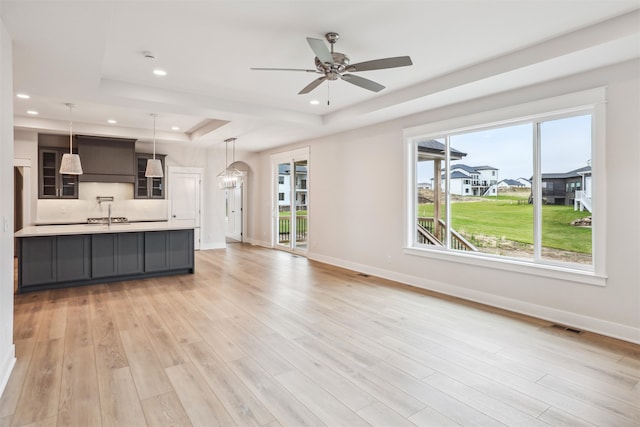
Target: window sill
[{"x": 583, "y": 276}]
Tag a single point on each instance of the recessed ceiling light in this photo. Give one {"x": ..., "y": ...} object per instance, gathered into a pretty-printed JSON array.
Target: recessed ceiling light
[
  {"x": 23, "y": 96},
  {"x": 175, "y": 128},
  {"x": 159, "y": 72},
  {"x": 314, "y": 102},
  {"x": 32, "y": 112},
  {"x": 111, "y": 121}
]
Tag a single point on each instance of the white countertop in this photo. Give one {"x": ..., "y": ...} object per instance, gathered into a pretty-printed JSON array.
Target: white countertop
[{"x": 131, "y": 227}]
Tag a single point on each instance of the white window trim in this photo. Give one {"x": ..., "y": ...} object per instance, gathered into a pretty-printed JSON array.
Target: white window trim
[{"x": 593, "y": 100}]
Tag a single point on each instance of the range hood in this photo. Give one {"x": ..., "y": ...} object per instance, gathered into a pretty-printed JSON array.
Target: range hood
[{"x": 106, "y": 159}]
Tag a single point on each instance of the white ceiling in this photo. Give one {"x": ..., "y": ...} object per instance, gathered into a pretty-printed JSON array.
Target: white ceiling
[{"x": 90, "y": 53}]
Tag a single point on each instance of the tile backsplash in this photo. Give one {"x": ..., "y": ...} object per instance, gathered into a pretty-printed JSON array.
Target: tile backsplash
[{"x": 69, "y": 211}]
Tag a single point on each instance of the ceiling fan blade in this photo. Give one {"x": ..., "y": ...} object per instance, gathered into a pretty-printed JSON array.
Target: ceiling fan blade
[
  {"x": 362, "y": 82},
  {"x": 320, "y": 49},
  {"x": 311, "y": 86},
  {"x": 380, "y": 64},
  {"x": 283, "y": 69}
]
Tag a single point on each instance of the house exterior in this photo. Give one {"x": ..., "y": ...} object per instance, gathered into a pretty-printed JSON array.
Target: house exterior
[
  {"x": 510, "y": 183},
  {"x": 472, "y": 180},
  {"x": 563, "y": 188},
  {"x": 284, "y": 185}
]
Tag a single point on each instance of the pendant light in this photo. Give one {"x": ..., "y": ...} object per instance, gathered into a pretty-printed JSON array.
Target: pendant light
[
  {"x": 70, "y": 163},
  {"x": 154, "y": 166},
  {"x": 230, "y": 177}
]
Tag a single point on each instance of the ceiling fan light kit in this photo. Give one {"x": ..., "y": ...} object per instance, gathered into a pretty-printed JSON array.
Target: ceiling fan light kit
[{"x": 335, "y": 65}]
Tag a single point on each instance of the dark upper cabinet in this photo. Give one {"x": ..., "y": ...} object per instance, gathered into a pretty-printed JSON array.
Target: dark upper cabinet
[
  {"x": 148, "y": 188},
  {"x": 52, "y": 184},
  {"x": 106, "y": 159}
]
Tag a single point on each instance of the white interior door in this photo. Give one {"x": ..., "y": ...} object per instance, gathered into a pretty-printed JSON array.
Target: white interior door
[
  {"x": 234, "y": 213},
  {"x": 185, "y": 198}
]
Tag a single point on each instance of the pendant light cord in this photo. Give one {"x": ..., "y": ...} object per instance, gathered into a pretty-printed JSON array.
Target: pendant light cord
[
  {"x": 154, "y": 136},
  {"x": 226, "y": 154},
  {"x": 70, "y": 128},
  {"x": 226, "y": 151},
  {"x": 233, "y": 152}
]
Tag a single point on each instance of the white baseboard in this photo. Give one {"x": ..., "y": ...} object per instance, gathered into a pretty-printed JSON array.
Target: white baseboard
[
  {"x": 6, "y": 366},
  {"x": 579, "y": 321},
  {"x": 262, "y": 243},
  {"x": 206, "y": 246}
]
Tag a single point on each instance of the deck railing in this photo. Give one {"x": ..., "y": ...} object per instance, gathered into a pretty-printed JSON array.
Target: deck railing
[
  {"x": 284, "y": 228},
  {"x": 429, "y": 235},
  {"x": 582, "y": 201},
  {"x": 426, "y": 233}
]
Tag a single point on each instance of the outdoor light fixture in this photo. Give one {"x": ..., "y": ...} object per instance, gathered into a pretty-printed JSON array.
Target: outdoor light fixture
[
  {"x": 230, "y": 177},
  {"x": 70, "y": 163},
  {"x": 154, "y": 166}
]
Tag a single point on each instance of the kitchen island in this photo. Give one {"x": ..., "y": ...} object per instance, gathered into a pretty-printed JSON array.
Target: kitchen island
[{"x": 57, "y": 256}]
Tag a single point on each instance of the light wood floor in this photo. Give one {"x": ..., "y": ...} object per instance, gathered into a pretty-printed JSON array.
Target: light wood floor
[{"x": 263, "y": 338}]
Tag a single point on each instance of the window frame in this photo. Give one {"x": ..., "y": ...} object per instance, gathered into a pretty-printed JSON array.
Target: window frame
[{"x": 590, "y": 101}]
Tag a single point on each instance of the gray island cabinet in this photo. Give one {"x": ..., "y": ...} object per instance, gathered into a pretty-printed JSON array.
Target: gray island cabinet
[{"x": 55, "y": 256}]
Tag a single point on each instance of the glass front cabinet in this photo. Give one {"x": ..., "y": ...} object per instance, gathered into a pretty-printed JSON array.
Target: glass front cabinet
[
  {"x": 52, "y": 184},
  {"x": 148, "y": 188}
]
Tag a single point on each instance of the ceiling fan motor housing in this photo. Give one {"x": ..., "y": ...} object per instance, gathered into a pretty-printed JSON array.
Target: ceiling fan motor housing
[{"x": 339, "y": 65}]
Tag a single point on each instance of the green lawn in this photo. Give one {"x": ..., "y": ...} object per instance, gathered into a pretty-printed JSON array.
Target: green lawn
[
  {"x": 507, "y": 219},
  {"x": 285, "y": 227}
]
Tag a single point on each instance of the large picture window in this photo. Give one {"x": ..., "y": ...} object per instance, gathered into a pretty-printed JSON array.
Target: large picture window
[{"x": 517, "y": 190}]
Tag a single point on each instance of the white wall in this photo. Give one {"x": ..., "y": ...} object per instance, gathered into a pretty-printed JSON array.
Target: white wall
[
  {"x": 356, "y": 213},
  {"x": 485, "y": 175},
  {"x": 457, "y": 186},
  {"x": 25, "y": 147},
  {"x": 7, "y": 349}
]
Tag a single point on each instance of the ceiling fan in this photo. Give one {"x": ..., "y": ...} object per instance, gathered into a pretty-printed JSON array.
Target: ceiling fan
[{"x": 335, "y": 65}]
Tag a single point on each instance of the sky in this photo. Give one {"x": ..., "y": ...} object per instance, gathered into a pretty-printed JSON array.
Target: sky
[{"x": 566, "y": 145}]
